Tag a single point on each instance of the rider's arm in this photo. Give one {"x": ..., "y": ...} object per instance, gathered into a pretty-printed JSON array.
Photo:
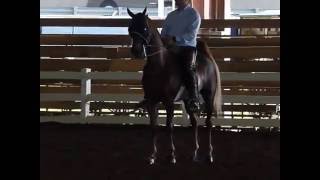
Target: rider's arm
[
  {"x": 164, "y": 31},
  {"x": 165, "y": 37}
]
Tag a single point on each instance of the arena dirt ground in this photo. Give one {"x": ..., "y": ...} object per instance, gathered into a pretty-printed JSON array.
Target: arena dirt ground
[{"x": 113, "y": 152}]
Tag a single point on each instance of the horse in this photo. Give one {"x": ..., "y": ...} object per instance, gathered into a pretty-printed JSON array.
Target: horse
[{"x": 162, "y": 82}]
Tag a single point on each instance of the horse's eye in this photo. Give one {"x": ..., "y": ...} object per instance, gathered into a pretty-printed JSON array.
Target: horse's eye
[{"x": 145, "y": 29}]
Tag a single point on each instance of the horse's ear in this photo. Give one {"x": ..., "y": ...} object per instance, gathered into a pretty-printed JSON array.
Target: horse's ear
[
  {"x": 144, "y": 11},
  {"x": 130, "y": 13}
]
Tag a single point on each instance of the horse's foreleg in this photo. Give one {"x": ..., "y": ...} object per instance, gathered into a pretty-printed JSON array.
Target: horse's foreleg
[
  {"x": 209, "y": 129},
  {"x": 195, "y": 133},
  {"x": 153, "y": 113},
  {"x": 170, "y": 110}
]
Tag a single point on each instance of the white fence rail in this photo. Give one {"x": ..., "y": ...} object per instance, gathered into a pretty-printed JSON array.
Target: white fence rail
[{"x": 85, "y": 76}]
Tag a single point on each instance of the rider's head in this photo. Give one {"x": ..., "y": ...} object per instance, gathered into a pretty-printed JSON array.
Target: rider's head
[{"x": 182, "y": 3}]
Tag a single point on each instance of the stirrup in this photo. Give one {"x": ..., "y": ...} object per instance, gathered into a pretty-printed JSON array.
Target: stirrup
[{"x": 194, "y": 105}]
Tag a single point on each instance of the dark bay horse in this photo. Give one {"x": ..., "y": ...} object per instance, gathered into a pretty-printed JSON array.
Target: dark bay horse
[{"x": 163, "y": 82}]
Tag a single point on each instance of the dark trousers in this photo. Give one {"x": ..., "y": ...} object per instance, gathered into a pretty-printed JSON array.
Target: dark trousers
[{"x": 187, "y": 59}]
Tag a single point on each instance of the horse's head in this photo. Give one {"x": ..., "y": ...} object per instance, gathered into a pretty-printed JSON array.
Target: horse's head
[{"x": 139, "y": 32}]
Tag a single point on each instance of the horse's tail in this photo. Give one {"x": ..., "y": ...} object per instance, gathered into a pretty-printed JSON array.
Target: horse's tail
[
  {"x": 203, "y": 48},
  {"x": 217, "y": 100}
]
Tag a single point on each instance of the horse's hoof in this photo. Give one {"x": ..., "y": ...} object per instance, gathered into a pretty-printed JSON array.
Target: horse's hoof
[
  {"x": 173, "y": 161},
  {"x": 195, "y": 159},
  {"x": 152, "y": 161},
  {"x": 209, "y": 159}
]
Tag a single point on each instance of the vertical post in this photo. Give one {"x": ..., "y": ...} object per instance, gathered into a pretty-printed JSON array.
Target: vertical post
[
  {"x": 221, "y": 9},
  {"x": 85, "y": 91},
  {"x": 227, "y": 9},
  {"x": 278, "y": 111},
  {"x": 161, "y": 8},
  {"x": 119, "y": 11},
  {"x": 199, "y": 6},
  {"x": 214, "y": 9},
  {"x": 206, "y": 9},
  {"x": 227, "y": 15},
  {"x": 75, "y": 12},
  {"x": 173, "y": 5}
]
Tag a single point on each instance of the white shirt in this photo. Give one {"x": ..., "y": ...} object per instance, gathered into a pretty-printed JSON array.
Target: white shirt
[{"x": 184, "y": 25}]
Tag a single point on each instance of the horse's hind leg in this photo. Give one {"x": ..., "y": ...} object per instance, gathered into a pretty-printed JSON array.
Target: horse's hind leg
[
  {"x": 153, "y": 113},
  {"x": 195, "y": 131},
  {"x": 170, "y": 109},
  {"x": 208, "y": 99}
]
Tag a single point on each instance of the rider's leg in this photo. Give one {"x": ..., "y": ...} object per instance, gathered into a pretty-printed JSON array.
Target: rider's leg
[{"x": 189, "y": 58}]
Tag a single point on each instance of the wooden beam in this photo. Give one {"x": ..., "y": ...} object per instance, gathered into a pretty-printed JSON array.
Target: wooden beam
[
  {"x": 245, "y": 52},
  {"x": 125, "y": 40},
  {"x": 85, "y": 40},
  {"x": 96, "y": 65},
  {"x": 226, "y": 84},
  {"x": 205, "y": 23},
  {"x": 101, "y": 52},
  {"x": 144, "y": 120},
  {"x": 139, "y": 97},
  {"x": 77, "y": 51},
  {"x": 246, "y": 41},
  {"x": 138, "y": 90},
  {"x": 117, "y": 105},
  {"x": 225, "y": 76},
  {"x": 135, "y": 65}
]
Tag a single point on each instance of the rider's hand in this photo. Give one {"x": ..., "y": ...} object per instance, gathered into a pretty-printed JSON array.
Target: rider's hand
[{"x": 168, "y": 40}]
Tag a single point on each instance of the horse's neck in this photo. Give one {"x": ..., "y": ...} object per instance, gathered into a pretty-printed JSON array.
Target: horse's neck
[
  {"x": 156, "y": 39},
  {"x": 156, "y": 52}
]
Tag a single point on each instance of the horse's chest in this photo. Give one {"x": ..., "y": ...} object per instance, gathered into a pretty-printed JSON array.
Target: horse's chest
[
  {"x": 161, "y": 86},
  {"x": 153, "y": 82}
]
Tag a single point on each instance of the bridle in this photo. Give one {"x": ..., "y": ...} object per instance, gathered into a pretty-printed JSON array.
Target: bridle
[{"x": 147, "y": 44}]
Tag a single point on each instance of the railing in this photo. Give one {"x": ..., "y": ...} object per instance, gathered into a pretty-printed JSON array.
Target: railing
[
  {"x": 102, "y": 73},
  {"x": 98, "y": 11}
]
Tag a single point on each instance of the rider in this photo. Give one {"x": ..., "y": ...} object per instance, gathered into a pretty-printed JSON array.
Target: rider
[{"x": 179, "y": 34}]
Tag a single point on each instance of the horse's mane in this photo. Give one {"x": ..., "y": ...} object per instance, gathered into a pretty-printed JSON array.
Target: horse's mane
[{"x": 153, "y": 29}]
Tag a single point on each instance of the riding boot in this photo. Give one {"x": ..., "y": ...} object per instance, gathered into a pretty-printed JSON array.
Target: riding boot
[{"x": 192, "y": 87}]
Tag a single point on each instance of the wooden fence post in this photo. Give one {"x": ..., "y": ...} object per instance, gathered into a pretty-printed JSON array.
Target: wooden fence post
[{"x": 85, "y": 91}]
